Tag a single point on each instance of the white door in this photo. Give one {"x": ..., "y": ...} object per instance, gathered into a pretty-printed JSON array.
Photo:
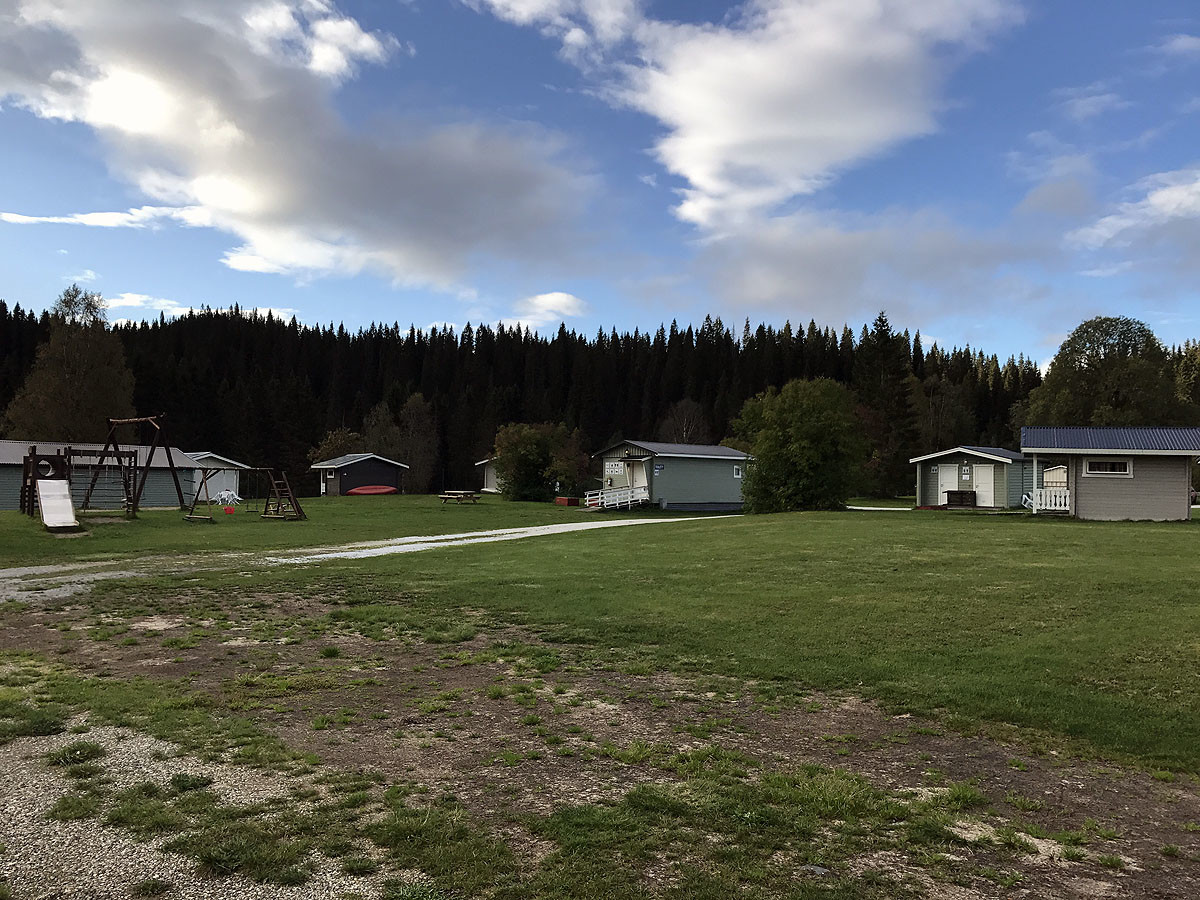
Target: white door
[
  {"x": 947, "y": 481},
  {"x": 985, "y": 485}
]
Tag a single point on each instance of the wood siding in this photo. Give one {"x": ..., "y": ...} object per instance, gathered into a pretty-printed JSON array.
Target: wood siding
[{"x": 1158, "y": 490}]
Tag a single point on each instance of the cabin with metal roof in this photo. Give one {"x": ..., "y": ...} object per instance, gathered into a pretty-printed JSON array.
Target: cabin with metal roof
[
  {"x": 699, "y": 477},
  {"x": 360, "y": 473},
  {"x": 973, "y": 477},
  {"x": 109, "y": 492},
  {"x": 1115, "y": 473}
]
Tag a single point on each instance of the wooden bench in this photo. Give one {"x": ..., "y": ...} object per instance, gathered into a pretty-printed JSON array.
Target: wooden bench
[{"x": 458, "y": 497}]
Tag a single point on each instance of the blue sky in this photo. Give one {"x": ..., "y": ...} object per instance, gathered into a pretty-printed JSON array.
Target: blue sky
[{"x": 988, "y": 171}]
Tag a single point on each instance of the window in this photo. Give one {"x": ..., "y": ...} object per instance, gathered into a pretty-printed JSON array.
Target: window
[
  {"x": 1108, "y": 468},
  {"x": 737, "y": 471}
]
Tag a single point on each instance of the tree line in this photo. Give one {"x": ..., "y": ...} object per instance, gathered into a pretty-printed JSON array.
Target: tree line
[{"x": 274, "y": 392}]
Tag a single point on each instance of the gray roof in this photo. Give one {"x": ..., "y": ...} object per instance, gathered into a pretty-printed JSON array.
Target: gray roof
[
  {"x": 203, "y": 455},
  {"x": 350, "y": 459},
  {"x": 1145, "y": 440},
  {"x": 657, "y": 448},
  {"x": 13, "y": 453},
  {"x": 993, "y": 452}
]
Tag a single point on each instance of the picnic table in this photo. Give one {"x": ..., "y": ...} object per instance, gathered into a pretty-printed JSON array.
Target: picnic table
[{"x": 459, "y": 497}]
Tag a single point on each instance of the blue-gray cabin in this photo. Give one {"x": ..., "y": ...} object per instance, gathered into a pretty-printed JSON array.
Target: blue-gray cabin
[
  {"x": 344, "y": 473},
  {"x": 109, "y": 492},
  {"x": 1114, "y": 473},
  {"x": 991, "y": 477},
  {"x": 697, "y": 477}
]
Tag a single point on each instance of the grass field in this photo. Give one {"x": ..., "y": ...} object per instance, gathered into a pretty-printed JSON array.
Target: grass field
[{"x": 663, "y": 711}]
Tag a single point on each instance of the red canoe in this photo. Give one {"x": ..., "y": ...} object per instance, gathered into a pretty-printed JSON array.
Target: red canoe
[{"x": 372, "y": 489}]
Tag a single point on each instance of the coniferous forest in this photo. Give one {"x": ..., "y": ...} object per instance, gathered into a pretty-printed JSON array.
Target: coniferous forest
[{"x": 267, "y": 391}]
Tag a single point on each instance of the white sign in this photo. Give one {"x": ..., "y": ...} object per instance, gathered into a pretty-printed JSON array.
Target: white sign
[{"x": 613, "y": 467}]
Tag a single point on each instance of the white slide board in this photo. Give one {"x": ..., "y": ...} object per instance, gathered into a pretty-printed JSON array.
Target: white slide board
[{"x": 54, "y": 500}]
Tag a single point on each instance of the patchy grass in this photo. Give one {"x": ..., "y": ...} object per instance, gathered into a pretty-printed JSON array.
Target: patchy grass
[
  {"x": 151, "y": 887},
  {"x": 76, "y": 753}
]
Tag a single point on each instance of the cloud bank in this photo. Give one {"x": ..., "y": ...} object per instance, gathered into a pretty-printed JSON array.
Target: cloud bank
[{"x": 221, "y": 112}]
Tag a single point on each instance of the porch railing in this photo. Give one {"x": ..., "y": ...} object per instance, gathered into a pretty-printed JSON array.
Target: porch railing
[
  {"x": 611, "y": 498},
  {"x": 1051, "y": 500}
]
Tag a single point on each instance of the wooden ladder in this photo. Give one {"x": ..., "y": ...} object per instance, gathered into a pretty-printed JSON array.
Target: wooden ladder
[{"x": 282, "y": 504}]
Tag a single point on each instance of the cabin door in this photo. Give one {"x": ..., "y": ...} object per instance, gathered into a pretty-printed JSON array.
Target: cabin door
[
  {"x": 947, "y": 480},
  {"x": 636, "y": 473},
  {"x": 985, "y": 486}
]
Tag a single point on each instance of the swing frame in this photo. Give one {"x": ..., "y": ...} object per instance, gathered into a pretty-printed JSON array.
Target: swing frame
[{"x": 133, "y": 501}]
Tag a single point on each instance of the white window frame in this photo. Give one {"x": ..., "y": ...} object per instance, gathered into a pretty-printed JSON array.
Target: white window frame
[
  {"x": 737, "y": 471},
  {"x": 1087, "y": 462}
]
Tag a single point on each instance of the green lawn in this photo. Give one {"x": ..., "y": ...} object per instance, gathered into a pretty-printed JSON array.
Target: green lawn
[
  {"x": 331, "y": 520},
  {"x": 1083, "y": 630}
]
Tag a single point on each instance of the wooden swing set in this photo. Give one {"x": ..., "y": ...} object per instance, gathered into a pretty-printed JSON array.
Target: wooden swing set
[{"x": 279, "y": 502}]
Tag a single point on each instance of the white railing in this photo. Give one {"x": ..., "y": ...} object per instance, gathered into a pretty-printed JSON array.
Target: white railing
[
  {"x": 611, "y": 498},
  {"x": 1051, "y": 500}
]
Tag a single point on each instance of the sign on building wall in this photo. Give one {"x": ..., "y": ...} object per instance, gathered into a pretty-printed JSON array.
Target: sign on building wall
[
  {"x": 613, "y": 467},
  {"x": 658, "y": 467},
  {"x": 966, "y": 473}
]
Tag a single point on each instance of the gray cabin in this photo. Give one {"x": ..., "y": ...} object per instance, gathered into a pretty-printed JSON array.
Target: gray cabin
[
  {"x": 984, "y": 477},
  {"x": 1115, "y": 473},
  {"x": 699, "y": 477},
  {"x": 360, "y": 473},
  {"x": 109, "y": 492},
  {"x": 224, "y": 473}
]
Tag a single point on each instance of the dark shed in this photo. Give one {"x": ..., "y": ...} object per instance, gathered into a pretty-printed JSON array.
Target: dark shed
[{"x": 342, "y": 475}]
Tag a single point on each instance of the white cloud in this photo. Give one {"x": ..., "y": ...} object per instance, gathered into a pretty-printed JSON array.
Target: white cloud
[
  {"x": 141, "y": 217},
  {"x": 220, "y": 112},
  {"x": 546, "y": 309},
  {"x": 1081, "y": 104},
  {"x": 781, "y": 97},
  {"x": 172, "y": 308},
  {"x": 145, "y": 301},
  {"x": 1180, "y": 47},
  {"x": 86, "y": 276},
  {"x": 750, "y": 127},
  {"x": 1168, "y": 199}
]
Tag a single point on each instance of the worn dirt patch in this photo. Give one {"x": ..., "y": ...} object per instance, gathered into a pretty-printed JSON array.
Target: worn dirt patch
[{"x": 459, "y": 720}]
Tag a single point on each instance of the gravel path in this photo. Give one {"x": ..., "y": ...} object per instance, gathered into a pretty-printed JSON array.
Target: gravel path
[
  {"x": 57, "y": 582},
  {"x": 433, "y": 542},
  {"x": 46, "y": 859}
]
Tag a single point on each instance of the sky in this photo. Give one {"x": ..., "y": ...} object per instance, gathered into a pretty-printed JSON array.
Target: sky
[{"x": 990, "y": 172}]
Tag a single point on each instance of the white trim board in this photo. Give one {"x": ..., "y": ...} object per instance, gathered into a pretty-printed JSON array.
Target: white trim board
[{"x": 929, "y": 456}]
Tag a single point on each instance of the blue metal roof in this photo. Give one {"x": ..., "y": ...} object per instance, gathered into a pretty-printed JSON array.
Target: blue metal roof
[{"x": 1143, "y": 440}]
